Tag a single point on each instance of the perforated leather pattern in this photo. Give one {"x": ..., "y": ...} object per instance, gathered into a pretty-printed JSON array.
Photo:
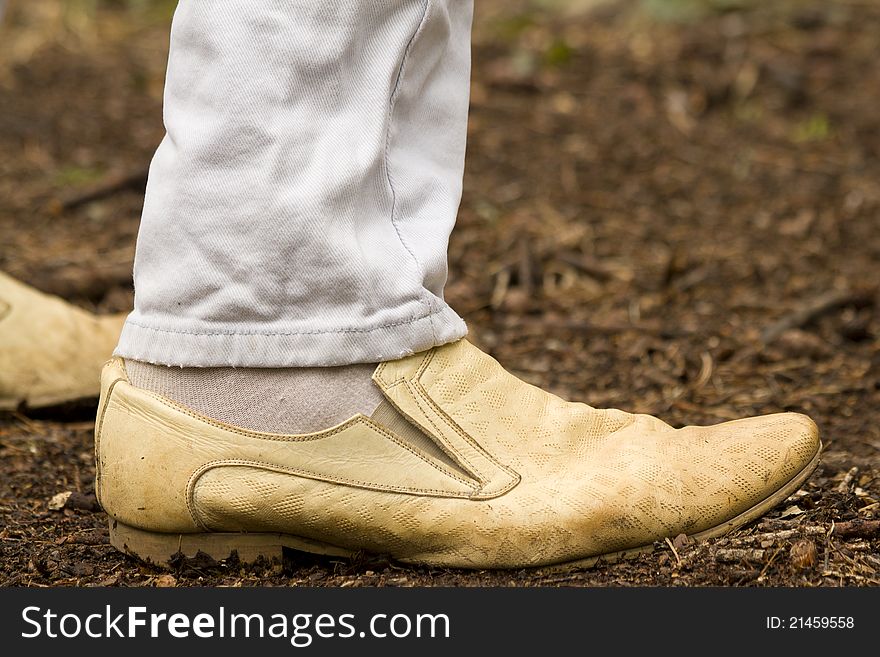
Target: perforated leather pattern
[{"x": 591, "y": 481}]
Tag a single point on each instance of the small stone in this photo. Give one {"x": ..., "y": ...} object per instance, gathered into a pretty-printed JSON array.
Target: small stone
[
  {"x": 166, "y": 581},
  {"x": 59, "y": 501},
  {"x": 791, "y": 511},
  {"x": 680, "y": 541}
]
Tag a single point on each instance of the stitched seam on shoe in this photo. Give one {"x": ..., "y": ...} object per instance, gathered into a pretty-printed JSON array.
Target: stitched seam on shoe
[
  {"x": 301, "y": 438},
  {"x": 99, "y": 433},
  {"x": 218, "y": 463},
  {"x": 418, "y": 387},
  {"x": 480, "y": 450},
  {"x": 416, "y": 390},
  {"x": 279, "y": 437},
  {"x": 314, "y": 476},
  {"x": 429, "y": 357},
  {"x": 385, "y": 432},
  {"x": 188, "y": 498},
  {"x": 380, "y": 371},
  {"x": 461, "y": 432},
  {"x": 361, "y": 419},
  {"x": 461, "y": 457},
  {"x": 378, "y": 375},
  {"x": 448, "y": 450}
]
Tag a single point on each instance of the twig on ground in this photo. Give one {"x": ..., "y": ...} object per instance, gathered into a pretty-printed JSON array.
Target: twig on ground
[
  {"x": 811, "y": 530},
  {"x": 674, "y": 551},
  {"x": 844, "y": 485},
  {"x": 587, "y": 265},
  {"x": 825, "y": 303},
  {"x": 858, "y": 529},
  {"x": 132, "y": 180},
  {"x": 739, "y": 554},
  {"x": 769, "y": 562}
]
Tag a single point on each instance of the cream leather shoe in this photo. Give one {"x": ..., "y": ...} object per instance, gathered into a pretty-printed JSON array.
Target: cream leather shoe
[
  {"x": 464, "y": 466},
  {"x": 51, "y": 352}
]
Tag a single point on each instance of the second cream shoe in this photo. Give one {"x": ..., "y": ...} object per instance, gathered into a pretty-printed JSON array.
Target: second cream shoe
[
  {"x": 463, "y": 465},
  {"x": 51, "y": 352}
]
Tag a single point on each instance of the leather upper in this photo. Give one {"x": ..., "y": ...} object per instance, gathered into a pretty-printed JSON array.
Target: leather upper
[
  {"x": 50, "y": 351},
  {"x": 530, "y": 479}
]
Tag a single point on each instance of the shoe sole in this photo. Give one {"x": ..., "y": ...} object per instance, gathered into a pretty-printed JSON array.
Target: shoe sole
[{"x": 168, "y": 550}]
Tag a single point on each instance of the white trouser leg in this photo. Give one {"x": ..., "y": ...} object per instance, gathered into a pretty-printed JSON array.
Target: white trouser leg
[{"x": 299, "y": 208}]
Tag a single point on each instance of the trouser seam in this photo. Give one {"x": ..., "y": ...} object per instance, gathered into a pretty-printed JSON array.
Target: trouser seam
[
  {"x": 275, "y": 333},
  {"x": 391, "y": 105}
]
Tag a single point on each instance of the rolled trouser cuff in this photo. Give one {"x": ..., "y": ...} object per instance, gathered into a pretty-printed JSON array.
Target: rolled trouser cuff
[{"x": 144, "y": 341}]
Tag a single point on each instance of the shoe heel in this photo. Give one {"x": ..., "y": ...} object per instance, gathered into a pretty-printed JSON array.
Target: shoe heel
[{"x": 166, "y": 549}]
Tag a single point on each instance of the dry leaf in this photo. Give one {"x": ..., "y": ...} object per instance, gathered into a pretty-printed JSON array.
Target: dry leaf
[{"x": 59, "y": 501}]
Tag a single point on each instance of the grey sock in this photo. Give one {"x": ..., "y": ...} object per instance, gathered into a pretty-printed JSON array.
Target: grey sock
[{"x": 277, "y": 400}]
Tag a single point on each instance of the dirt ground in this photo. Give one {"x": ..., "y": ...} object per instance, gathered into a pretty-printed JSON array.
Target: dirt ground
[{"x": 665, "y": 211}]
